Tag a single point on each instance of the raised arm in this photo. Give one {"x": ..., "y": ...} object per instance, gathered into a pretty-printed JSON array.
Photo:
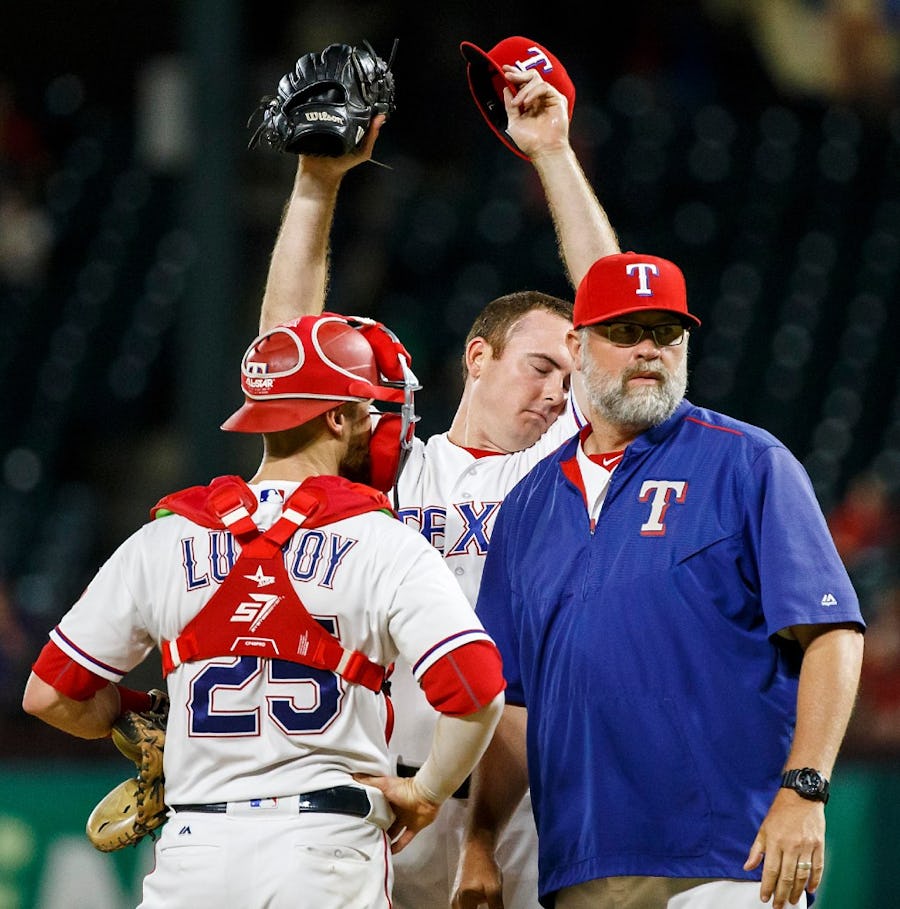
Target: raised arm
[
  {"x": 297, "y": 281},
  {"x": 539, "y": 125}
]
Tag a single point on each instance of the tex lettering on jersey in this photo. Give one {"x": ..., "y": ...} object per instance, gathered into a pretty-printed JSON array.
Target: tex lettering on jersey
[
  {"x": 256, "y": 610},
  {"x": 472, "y": 523}
]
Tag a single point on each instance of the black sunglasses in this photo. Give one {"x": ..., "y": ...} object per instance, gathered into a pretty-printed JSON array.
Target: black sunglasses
[{"x": 627, "y": 334}]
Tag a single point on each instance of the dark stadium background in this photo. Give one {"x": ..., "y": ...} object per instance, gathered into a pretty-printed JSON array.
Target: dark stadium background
[{"x": 773, "y": 181}]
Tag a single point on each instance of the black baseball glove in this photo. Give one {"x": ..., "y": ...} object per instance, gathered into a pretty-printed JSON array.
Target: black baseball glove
[{"x": 325, "y": 104}]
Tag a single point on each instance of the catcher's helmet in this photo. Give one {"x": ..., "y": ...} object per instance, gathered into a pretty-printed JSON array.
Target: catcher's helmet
[
  {"x": 486, "y": 79},
  {"x": 300, "y": 369}
]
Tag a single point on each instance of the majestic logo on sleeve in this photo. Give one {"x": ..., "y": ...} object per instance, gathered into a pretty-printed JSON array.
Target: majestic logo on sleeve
[{"x": 660, "y": 494}]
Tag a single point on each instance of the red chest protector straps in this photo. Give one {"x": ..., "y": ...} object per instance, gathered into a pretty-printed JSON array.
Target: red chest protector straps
[{"x": 256, "y": 610}]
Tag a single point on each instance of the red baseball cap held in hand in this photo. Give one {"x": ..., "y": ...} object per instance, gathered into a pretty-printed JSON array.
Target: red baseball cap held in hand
[
  {"x": 628, "y": 283},
  {"x": 486, "y": 79}
]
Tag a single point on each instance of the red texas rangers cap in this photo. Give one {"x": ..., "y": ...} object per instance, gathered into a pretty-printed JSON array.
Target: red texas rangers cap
[
  {"x": 628, "y": 283},
  {"x": 486, "y": 79},
  {"x": 300, "y": 369}
]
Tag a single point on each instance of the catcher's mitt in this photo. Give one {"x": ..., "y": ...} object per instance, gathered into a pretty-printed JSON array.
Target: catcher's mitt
[
  {"x": 327, "y": 102},
  {"x": 136, "y": 807}
]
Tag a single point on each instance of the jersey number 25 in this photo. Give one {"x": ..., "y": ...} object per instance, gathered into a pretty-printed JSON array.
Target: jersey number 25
[{"x": 307, "y": 707}]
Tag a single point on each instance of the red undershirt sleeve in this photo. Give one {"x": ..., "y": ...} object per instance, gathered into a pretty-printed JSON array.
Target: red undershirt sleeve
[
  {"x": 61, "y": 672},
  {"x": 465, "y": 680},
  {"x": 71, "y": 679}
]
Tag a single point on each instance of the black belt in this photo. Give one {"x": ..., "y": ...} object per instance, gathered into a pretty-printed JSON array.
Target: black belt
[
  {"x": 407, "y": 770},
  {"x": 337, "y": 800}
]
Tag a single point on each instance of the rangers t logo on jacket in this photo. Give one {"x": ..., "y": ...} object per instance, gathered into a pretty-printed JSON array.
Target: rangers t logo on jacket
[{"x": 659, "y": 494}]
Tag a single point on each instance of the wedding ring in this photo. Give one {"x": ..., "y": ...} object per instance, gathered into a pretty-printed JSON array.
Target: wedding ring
[{"x": 804, "y": 866}]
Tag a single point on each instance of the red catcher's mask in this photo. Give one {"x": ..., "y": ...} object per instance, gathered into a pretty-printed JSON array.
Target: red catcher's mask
[{"x": 300, "y": 369}]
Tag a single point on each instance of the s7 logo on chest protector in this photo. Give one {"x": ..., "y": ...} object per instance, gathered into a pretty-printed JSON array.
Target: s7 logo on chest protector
[
  {"x": 660, "y": 494},
  {"x": 256, "y": 612}
]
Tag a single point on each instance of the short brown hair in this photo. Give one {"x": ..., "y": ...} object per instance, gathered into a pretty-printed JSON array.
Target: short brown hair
[{"x": 496, "y": 321}]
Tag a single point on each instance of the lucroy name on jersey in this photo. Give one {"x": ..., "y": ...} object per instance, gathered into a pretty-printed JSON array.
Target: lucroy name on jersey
[{"x": 311, "y": 556}]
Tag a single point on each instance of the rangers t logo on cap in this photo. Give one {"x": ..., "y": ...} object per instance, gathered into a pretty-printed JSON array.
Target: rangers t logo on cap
[
  {"x": 538, "y": 58},
  {"x": 642, "y": 269},
  {"x": 627, "y": 283}
]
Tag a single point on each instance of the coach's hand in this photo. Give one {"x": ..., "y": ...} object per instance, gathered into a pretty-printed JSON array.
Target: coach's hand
[
  {"x": 792, "y": 840},
  {"x": 412, "y": 811}
]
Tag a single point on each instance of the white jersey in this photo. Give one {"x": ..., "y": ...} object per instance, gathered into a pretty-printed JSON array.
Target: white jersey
[
  {"x": 452, "y": 498},
  {"x": 242, "y": 727}
]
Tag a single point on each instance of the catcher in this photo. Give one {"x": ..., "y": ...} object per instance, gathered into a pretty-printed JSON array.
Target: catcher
[{"x": 278, "y": 606}]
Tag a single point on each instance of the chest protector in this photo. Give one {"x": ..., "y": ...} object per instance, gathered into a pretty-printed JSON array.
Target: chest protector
[{"x": 256, "y": 610}]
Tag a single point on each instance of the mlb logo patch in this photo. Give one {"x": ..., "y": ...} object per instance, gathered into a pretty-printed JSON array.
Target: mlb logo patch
[{"x": 271, "y": 495}]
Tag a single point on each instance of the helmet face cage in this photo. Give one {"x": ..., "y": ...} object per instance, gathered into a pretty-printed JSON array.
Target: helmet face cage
[
  {"x": 408, "y": 419},
  {"x": 393, "y": 363}
]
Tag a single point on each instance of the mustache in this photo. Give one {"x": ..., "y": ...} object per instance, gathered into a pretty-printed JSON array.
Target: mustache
[{"x": 645, "y": 371}]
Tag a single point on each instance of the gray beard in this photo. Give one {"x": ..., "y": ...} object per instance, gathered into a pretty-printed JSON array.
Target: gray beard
[{"x": 634, "y": 409}]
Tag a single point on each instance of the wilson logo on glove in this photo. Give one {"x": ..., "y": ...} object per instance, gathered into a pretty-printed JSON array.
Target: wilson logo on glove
[{"x": 323, "y": 115}]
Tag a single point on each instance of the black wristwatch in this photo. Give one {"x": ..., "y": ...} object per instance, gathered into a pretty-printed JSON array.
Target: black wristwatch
[{"x": 807, "y": 783}]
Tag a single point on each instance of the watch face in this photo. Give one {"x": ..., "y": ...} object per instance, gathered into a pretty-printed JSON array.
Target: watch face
[{"x": 810, "y": 781}]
